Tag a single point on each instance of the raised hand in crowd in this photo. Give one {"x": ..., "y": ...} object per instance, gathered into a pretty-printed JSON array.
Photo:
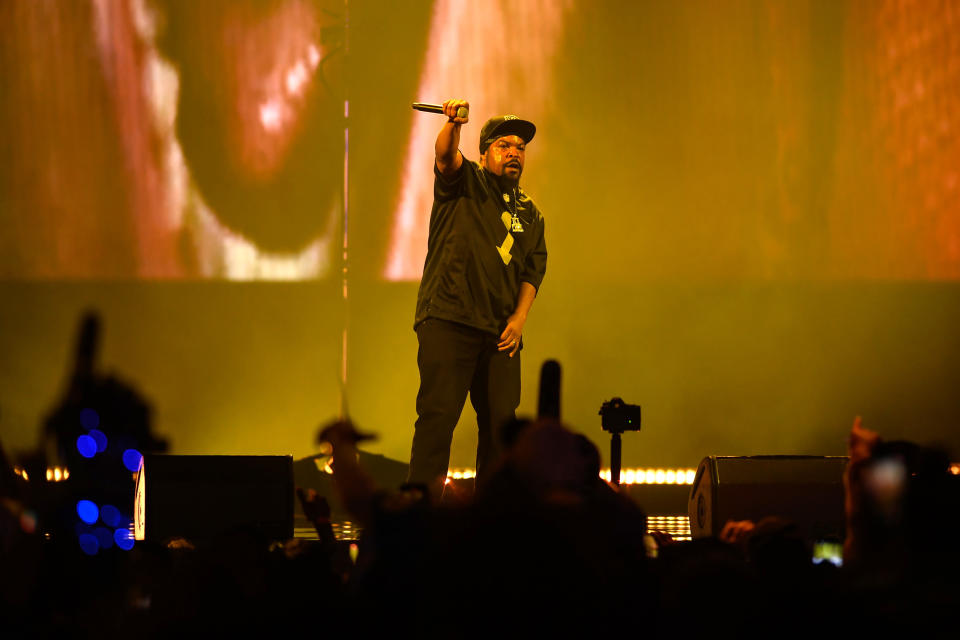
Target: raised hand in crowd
[{"x": 736, "y": 531}]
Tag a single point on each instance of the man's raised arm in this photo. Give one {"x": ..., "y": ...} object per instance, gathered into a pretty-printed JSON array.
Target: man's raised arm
[{"x": 449, "y": 158}]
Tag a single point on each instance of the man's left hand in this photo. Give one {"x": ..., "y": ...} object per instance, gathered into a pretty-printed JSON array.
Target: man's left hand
[{"x": 510, "y": 338}]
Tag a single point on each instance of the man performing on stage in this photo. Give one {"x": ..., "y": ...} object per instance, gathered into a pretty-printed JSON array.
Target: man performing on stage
[{"x": 486, "y": 257}]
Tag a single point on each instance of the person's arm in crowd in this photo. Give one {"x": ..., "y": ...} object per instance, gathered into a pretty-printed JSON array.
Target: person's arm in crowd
[
  {"x": 860, "y": 446},
  {"x": 317, "y": 511},
  {"x": 736, "y": 531}
]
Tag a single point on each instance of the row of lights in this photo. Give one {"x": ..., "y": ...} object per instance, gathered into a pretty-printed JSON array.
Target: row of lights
[
  {"x": 131, "y": 458},
  {"x": 627, "y": 476},
  {"x": 677, "y": 526},
  {"x": 670, "y": 524},
  {"x": 54, "y": 474},
  {"x": 653, "y": 476},
  {"x": 345, "y": 530}
]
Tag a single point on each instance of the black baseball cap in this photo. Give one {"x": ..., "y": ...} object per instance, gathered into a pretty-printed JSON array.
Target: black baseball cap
[{"x": 505, "y": 126}]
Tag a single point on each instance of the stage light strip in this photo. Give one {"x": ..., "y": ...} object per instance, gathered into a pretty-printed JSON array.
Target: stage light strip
[
  {"x": 53, "y": 474},
  {"x": 678, "y": 527},
  {"x": 653, "y": 476},
  {"x": 627, "y": 476}
]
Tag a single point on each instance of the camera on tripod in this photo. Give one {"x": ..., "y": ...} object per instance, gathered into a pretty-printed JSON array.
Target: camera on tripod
[{"x": 616, "y": 416}]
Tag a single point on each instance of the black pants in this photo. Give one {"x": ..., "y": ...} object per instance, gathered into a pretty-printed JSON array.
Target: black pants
[{"x": 454, "y": 359}]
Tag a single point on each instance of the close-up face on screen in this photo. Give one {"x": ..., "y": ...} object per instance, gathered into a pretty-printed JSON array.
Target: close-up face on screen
[
  {"x": 173, "y": 139},
  {"x": 254, "y": 139}
]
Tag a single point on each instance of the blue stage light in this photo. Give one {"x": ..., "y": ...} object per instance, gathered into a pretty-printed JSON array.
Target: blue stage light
[
  {"x": 131, "y": 459},
  {"x": 100, "y": 438},
  {"x": 123, "y": 538},
  {"x": 87, "y": 446},
  {"x": 87, "y": 511},
  {"x": 89, "y": 544},
  {"x": 89, "y": 418},
  {"x": 104, "y": 537},
  {"x": 110, "y": 515}
]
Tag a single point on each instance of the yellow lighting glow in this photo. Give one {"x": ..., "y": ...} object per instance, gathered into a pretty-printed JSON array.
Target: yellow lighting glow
[{"x": 49, "y": 474}]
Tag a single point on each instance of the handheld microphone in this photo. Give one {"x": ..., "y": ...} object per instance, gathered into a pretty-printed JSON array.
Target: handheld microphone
[{"x": 462, "y": 112}]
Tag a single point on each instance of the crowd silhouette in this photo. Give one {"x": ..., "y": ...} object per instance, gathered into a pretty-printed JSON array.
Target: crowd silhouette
[{"x": 543, "y": 547}]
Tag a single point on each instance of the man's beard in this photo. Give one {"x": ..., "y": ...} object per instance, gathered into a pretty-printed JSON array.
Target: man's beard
[{"x": 508, "y": 180}]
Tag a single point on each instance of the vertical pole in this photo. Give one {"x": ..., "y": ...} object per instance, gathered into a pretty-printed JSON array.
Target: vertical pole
[
  {"x": 615, "y": 452},
  {"x": 345, "y": 255}
]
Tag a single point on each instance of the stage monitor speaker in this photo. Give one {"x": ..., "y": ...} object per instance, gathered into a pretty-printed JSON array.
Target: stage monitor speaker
[
  {"x": 807, "y": 490},
  {"x": 201, "y": 497}
]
